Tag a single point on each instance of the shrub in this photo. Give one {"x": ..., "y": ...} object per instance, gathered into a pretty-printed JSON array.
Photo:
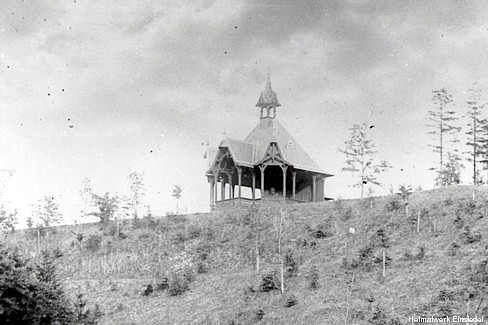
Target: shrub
[
  {"x": 291, "y": 267},
  {"x": 468, "y": 237},
  {"x": 313, "y": 278},
  {"x": 393, "y": 204},
  {"x": 259, "y": 314},
  {"x": 291, "y": 300},
  {"x": 380, "y": 239},
  {"x": 93, "y": 243},
  {"x": 202, "y": 267},
  {"x": 453, "y": 249},
  {"x": 162, "y": 285},
  {"x": 193, "y": 232},
  {"x": 178, "y": 285},
  {"x": 32, "y": 294},
  {"x": 380, "y": 317},
  {"x": 268, "y": 283}
]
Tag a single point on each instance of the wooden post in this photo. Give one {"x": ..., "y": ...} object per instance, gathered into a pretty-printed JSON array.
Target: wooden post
[
  {"x": 294, "y": 178},
  {"x": 262, "y": 168},
  {"x": 284, "y": 168},
  {"x": 418, "y": 222},
  {"x": 239, "y": 179},
  {"x": 384, "y": 264},
  {"x": 253, "y": 184},
  {"x": 38, "y": 241},
  {"x": 222, "y": 188}
]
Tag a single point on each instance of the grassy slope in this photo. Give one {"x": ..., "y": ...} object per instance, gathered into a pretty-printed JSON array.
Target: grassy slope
[{"x": 115, "y": 275}]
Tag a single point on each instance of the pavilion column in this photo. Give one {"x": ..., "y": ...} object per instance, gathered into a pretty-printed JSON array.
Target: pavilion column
[
  {"x": 284, "y": 168},
  {"x": 212, "y": 193},
  {"x": 222, "y": 188},
  {"x": 239, "y": 179},
  {"x": 294, "y": 177},
  {"x": 231, "y": 186},
  {"x": 314, "y": 186},
  {"x": 262, "y": 168},
  {"x": 253, "y": 184}
]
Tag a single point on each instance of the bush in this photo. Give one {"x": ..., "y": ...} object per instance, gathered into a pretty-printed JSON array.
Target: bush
[
  {"x": 313, "y": 278},
  {"x": 93, "y": 243},
  {"x": 291, "y": 267},
  {"x": 162, "y": 285},
  {"x": 453, "y": 249},
  {"x": 268, "y": 283},
  {"x": 468, "y": 237},
  {"x": 393, "y": 204},
  {"x": 291, "y": 300},
  {"x": 380, "y": 317},
  {"x": 180, "y": 283},
  {"x": 32, "y": 294}
]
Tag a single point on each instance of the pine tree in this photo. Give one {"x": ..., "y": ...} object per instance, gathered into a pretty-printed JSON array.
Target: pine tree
[
  {"x": 443, "y": 128},
  {"x": 177, "y": 190},
  {"x": 48, "y": 211},
  {"x": 360, "y": 158},
  {"x": 476, "y": 137}
]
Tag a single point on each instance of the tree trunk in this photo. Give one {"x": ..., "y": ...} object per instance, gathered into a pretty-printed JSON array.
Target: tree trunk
[{"x": 257, "y": 255}]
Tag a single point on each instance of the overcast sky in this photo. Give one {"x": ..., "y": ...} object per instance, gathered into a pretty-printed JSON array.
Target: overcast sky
[{"x": 101, "y": 88}]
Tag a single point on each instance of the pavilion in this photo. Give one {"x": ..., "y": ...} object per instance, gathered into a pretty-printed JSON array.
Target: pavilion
[{"x": 268, "y": 161}]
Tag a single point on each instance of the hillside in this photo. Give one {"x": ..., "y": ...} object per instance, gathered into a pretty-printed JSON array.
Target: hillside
[{"x": 202, "y": 268}]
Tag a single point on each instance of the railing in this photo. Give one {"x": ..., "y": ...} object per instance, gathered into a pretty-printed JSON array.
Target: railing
[{"x": 268, "y": 199}]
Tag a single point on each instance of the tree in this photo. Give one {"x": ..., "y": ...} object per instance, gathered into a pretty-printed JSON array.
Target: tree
[
  {"x": 86, "y": 194},
  {"x": 451, "y": 174},
  {"x": 8, "y": 219},
  {"x": 279, "y": 221},
  {"x": 442, "y": 128},
  {"x": 177, "y": 190},
  {"x": 404, "y": 191},
  {"x": 47, "y": 210},
  {"x": 137, "y": 189},
  {"x": 107, "y": 206},
  {"x": 476, "y": 125},
  {"x": 360, "y": 158}
]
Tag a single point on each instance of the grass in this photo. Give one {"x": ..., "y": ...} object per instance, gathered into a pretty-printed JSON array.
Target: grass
[{"x": 115, "y": 273}]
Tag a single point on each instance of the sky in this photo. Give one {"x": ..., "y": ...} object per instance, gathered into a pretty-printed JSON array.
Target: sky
[{"x": 98, "y": 89}]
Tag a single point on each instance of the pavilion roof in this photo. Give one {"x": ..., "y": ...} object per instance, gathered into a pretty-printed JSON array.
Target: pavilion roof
[{"x": 252, "y": 150}]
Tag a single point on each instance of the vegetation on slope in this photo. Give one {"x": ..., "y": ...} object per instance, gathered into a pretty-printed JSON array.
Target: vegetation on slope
[{"x": 203, "y": 268}]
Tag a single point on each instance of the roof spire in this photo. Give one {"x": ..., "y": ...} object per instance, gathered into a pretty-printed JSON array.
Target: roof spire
[{"x": 268, "y": 99}]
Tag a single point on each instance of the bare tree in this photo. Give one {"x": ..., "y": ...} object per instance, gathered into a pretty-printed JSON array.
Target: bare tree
[
  {"x": 177, "y": 190},
  {"x": 360, "y": 158}
]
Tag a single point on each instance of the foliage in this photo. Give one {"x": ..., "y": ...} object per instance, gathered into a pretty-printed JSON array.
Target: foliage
[
  {"x": 8, "y": 219},
  {"x": 176, "y": 193},
  {"x": 313, "y": 278},
  {"x": 47, "y": 210},
  {"x": 268, "y": 283},
  {"x": 107, "y": 206},
  {"x": 404, "y": 191},
  {"x": 32, "y": 294},
  {"x": 291, "y": 300},
  {"x": 476, "y": 132},
  {"x": 179, "y": 282},
  {"x": 137, "y": 189},
  {"x": 451, "y": 174},
  {"x": 93, "y": 243},
  {"x": 360, "y": 158},
  {"x": 86, "y": 193}
]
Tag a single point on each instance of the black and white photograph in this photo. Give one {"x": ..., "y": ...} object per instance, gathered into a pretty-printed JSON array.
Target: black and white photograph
[{"x": 243, "y": 162}]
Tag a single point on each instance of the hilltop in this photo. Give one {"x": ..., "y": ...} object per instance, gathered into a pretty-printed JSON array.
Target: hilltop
[{"x": 201, "y": 269}]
